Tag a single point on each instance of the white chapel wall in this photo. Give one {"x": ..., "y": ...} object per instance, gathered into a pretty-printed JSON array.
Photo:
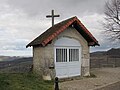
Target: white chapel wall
[{"x": 43, "y": 57}]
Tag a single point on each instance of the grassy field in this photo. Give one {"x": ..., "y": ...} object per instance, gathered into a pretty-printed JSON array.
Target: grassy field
[{"x": 23, "y": 81}]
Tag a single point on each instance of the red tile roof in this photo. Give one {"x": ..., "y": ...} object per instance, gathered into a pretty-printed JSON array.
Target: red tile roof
[{"x": 54, "y": 31}]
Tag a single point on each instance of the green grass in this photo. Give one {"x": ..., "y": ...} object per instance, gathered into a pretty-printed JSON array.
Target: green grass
[{"x": 23, "y": 81}]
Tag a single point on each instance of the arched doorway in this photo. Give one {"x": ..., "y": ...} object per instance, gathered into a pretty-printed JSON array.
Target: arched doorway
[{"x": 67, "y": 57}]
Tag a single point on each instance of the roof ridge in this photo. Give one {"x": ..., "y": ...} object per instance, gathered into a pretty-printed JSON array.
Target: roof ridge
[{"x": 55, "y": 30}]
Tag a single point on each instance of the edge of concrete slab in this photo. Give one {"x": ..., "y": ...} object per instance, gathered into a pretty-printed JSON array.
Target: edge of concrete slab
[{"x": 110, "y": 86}]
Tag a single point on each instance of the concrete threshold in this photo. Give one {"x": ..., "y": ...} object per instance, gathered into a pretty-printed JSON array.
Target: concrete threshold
[{"x": 110, "y": 86}]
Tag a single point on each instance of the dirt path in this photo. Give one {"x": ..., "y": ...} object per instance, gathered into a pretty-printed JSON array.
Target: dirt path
[{"x": 104, "y": 76}]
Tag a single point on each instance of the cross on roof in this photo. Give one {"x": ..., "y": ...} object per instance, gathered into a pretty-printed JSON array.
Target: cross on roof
[{"x": 52, "y": 16}]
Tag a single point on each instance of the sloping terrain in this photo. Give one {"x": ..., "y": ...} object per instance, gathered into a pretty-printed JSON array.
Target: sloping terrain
[
  {"x": 23, "y": 81},
  {"x": 9, "y": 58},
  {"x": 16, "y": 75},
  {"x": 110, "y": 58},
  {"x": 16, "y": 66}
]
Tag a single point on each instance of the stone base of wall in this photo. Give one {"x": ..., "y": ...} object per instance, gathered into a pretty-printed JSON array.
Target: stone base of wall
[
  {"x": 85, "y": 71},
  {"x": 48, "y": 75},
  {"x": 51, "y": 75}
]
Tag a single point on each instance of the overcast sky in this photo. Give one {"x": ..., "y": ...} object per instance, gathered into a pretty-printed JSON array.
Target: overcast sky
[{"x": 23, "y": 20}]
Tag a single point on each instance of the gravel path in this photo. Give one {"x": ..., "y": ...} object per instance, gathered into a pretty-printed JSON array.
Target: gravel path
[{"x": 105, "y": 76}]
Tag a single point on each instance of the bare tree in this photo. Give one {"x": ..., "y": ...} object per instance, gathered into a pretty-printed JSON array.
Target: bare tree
[{"x": 112, "y": 19}]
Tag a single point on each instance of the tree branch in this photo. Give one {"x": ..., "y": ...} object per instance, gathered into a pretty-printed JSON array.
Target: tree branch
[{"x": 112, "y": 19}]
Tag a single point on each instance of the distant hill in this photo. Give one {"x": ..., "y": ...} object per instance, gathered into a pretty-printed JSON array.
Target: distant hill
[
  {"x": 9, "y": 58},
  {"x": 114, "y": 52},
  {"x": 110, "y": 58},
  {"x": 17, "y": 65},
  {"x": 98, "y": 53}
]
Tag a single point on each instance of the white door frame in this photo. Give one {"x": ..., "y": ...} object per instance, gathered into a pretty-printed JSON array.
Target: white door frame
[{"x": 66, "y": 43}]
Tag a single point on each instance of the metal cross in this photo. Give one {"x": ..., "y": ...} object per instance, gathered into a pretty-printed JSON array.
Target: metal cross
[{"x": 52, "y": 16}]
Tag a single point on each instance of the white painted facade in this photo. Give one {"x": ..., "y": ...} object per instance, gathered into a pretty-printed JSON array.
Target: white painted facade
[
  {"x": 45, "y": 57},
  {"x": 70, "y": 51}
]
